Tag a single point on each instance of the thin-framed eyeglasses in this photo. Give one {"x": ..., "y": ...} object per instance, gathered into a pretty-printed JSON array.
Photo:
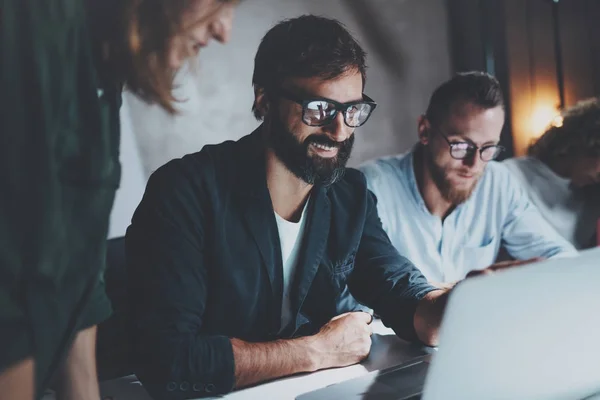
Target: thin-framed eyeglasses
[
  {"x": 321, "y": 111},
  {"x": 462, "y": 150}
]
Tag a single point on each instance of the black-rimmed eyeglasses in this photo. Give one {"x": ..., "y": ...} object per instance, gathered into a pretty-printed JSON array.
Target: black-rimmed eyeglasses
[
  {"x": 462, "y": 150},
  {"x": 322, "y": 111}
]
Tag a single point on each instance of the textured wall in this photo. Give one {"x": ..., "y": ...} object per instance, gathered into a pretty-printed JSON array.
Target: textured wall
[
  {"x": 133, "y": 178},
  {"x": 407, "y": 42}
]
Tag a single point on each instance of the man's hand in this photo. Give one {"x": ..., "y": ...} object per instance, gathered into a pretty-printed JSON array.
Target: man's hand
[
  {"x": 428, "y": 316},
  {"x": 503, "y": 265},
  {"x": 344, "y": 340},
  {"x": 443, "y": 285}
]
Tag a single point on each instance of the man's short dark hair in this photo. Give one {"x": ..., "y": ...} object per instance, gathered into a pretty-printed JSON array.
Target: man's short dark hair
[
  {"x": 474, "y": 87},
  {"x": 303, "y": 47}
]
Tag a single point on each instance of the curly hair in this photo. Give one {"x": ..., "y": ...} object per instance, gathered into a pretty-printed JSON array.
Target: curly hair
[{"x": 579, "y": 134}]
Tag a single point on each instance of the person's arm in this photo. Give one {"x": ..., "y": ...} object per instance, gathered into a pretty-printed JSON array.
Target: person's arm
[
  {"x": 44, "y": 71},
  {"x": 77, "y": 379},
  {"x": 169, "y": 284},
  {"x": 16, "y": 381},
  {"x": 390, "y": 284},
  {"x": 258, "y": 362},
  {"x": 428, "y": 316},
  {"x": 345, "y": 340},
  {"x": 526, "y": 234}
]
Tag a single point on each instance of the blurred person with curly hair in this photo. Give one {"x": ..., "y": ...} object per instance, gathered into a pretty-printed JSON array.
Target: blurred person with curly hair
[{"x": 562, "y": 173}]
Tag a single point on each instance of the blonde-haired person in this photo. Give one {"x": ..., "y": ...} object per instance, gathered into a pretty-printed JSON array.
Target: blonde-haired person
[
  {"x": 63, "y": 66},
  {"x": 562, "y": 173}
]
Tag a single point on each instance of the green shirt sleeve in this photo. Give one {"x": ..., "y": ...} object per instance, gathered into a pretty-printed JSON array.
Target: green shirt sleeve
[
  {"x": 59, "y": 170},
  {"x": 99, "y": 307}
]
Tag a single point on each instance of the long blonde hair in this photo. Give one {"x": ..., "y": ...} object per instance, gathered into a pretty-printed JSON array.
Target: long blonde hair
[{"x": 138, "y": 44}]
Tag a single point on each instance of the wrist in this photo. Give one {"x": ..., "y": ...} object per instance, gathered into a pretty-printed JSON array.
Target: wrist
[{"x": 308, "y": 348}]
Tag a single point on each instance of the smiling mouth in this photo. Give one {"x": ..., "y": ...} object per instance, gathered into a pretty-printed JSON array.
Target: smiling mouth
[
  {"x": 324, "y": 150},
  {"x": 324, "y": 147}
]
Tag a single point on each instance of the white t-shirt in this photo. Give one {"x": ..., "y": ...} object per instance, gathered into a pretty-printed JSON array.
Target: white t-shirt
[
  {"x": 572, "y": 215},
  {"x": 290, "y": 238}
]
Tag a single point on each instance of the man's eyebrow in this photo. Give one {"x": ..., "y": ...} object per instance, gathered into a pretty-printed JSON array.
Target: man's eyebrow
[
  {"x": 455, "y": 135},
  {"x": 470, "y": 141},
  {"x": 309, "y": 96},
  {"x": 491, "y": 143}
]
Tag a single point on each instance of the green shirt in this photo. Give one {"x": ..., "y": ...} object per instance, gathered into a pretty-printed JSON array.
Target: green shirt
[{"x": 59, "y": 169}]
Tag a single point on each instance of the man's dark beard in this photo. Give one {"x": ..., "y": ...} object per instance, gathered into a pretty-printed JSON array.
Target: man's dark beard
[
  {"x": 440, "y": 178},
  {"x": 295, "y": 155}
]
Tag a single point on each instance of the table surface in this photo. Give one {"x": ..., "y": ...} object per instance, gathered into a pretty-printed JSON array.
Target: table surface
[{"x": 387, "y": 351}]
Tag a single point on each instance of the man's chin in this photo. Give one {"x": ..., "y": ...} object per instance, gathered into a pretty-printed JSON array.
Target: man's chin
[
  {"x": 458, "y": 194},
  {"x": 463, "y": 187}
]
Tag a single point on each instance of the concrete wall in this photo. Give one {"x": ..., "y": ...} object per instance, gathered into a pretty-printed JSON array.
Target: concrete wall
[{"x": 133, "y": 178}]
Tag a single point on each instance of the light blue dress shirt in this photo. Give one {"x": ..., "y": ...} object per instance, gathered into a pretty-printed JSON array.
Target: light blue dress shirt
[{"x": 497, "y": 213}]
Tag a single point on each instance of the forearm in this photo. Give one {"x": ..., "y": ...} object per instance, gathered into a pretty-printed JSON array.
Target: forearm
[
  {"x": 77, "y": 378},
  {"x": 258, "y": 362},
  {"x": 428, "y": 316},
  {"x": 16, "y": 382}
]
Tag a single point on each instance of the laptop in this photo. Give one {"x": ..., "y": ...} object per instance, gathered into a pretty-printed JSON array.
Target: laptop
[{"x": 531, "y": 333}]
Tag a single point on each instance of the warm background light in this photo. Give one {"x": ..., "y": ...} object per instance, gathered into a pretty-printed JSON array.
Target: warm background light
[
  {"x": 532, "y": 114},
  {"x": 544, "y": 116},
  {"x": 558, "y": 121}
]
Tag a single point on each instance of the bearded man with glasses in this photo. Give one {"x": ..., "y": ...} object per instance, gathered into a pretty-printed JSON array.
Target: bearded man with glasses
[
  {"x": 246, "y": 258},
  {"x": 447, "y": 205}
]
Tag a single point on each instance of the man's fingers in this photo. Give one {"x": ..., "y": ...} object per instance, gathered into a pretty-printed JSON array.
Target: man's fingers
[
  {"x": 339, "y": 316},
  {"x": 443, "y": 285},
  {"x": 500, "y": 266},
  {"x": 361, "y": 315},
  {"x": 369, "y": 329},
  {"x": 365, "y": 316},
  {"x": 479, "y": 272},
  {"x": 503, "y": 265}
]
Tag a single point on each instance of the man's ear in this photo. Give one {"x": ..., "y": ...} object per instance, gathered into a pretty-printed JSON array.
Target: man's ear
[
  {"x": 424, "y": 130},
  {"x": 261, "y": 101}
]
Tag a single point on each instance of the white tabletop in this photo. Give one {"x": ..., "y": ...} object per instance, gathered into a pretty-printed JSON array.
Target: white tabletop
[{"x": 387, "y": 351}]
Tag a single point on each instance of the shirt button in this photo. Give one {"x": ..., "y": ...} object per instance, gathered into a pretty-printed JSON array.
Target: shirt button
[
  {"x": 171, "y": 386},
  {"x": 198, "y": 387},
  {"x": 209, "y": 388},
  {"x": 184, "y": 386}
]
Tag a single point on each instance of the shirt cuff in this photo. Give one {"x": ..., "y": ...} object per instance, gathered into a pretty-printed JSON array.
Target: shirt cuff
[
  {"x": 98, "y": 309},
  {"x": 15, "y": 332}
]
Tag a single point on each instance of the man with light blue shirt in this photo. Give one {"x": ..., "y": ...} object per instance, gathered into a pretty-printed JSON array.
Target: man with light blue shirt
[{"x": 446, "y": 205}]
